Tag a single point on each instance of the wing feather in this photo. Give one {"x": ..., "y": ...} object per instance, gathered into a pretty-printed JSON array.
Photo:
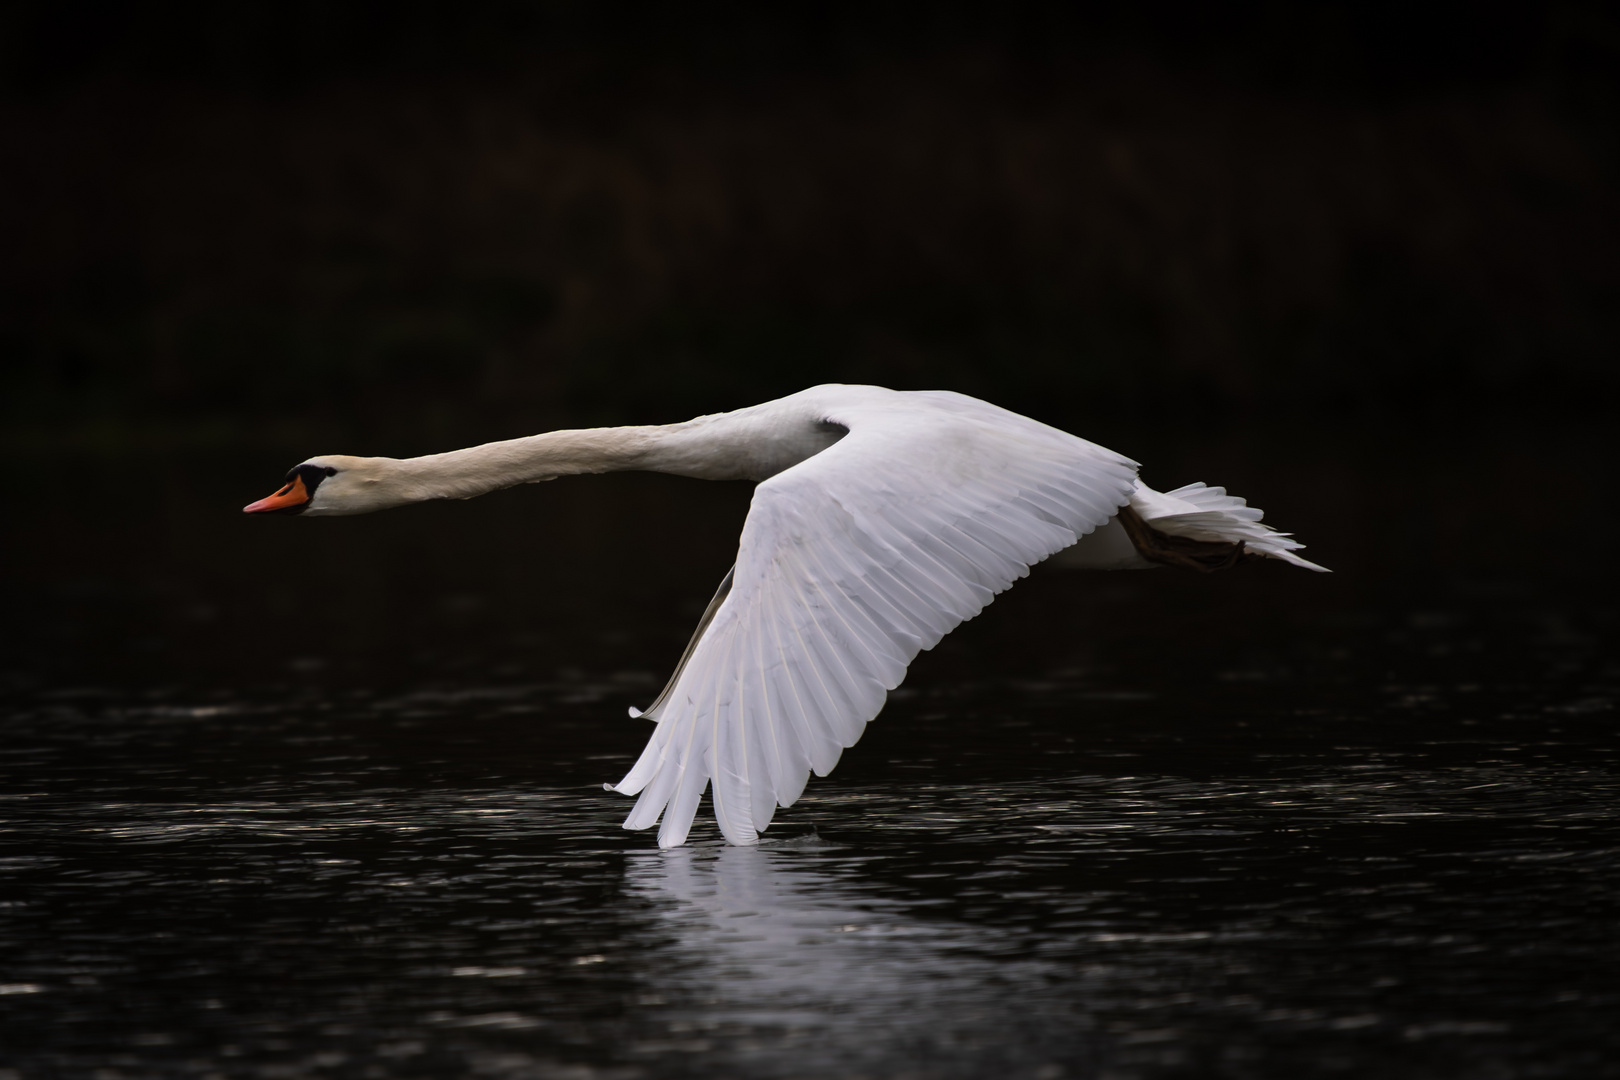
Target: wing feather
[
  {"x": 850, "y": 563},
  {"x": 816, "y": 750}
]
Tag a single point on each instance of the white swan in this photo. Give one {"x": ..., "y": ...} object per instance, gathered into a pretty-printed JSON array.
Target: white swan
[{"x": 882, "y": 520}]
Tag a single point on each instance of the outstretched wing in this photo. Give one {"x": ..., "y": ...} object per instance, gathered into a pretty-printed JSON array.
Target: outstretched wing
[{"x": 850, "y": 563}]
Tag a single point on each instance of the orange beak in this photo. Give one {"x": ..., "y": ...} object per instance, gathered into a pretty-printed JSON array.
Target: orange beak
[{"x": 288, "y": 498}]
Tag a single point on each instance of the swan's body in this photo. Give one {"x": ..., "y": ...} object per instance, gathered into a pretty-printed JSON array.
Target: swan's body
[{"x": 881, "y": 521}]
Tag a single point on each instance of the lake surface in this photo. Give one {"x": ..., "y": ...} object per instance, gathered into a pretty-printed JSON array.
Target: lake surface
[{"x": 286, "y": 801}]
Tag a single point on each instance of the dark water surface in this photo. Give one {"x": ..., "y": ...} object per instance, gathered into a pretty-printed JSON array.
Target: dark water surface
[{"x": 327, "y": 802}]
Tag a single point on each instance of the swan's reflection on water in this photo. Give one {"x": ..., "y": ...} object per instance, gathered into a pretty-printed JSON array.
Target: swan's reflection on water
[{"x": 775, "y": 957}]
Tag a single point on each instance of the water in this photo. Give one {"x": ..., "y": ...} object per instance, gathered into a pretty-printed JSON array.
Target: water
[{"x": 1136, "y": 826}]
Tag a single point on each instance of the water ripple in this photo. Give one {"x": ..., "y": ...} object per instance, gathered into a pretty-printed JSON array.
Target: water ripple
[{"x": 373, "y": 886}]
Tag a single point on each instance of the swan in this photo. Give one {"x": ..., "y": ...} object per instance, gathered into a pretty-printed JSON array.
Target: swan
[{"x": 882, "y": 519}]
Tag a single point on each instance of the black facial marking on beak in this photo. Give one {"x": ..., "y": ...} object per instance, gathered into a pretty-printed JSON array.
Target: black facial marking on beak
[{"x": 311, "y": 475}]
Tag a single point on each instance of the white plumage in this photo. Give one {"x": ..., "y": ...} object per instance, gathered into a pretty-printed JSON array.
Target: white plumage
[{"x": 882, "y": 520}]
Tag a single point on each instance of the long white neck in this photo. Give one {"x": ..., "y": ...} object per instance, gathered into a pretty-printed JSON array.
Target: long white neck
[
  {"x": 461, "y": 474},
  {"x": 745, "y": 445}
]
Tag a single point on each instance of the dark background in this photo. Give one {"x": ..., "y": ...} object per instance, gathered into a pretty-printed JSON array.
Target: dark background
[
  {"x": 271, "y": 787},
  {"x": 1357, "y": 261}
]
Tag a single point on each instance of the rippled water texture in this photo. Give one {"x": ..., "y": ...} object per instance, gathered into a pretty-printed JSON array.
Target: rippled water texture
[{"x": 1141, "y": 826}]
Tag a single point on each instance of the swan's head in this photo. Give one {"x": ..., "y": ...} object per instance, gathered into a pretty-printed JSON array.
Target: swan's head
[{"x": 330, "y": 485}]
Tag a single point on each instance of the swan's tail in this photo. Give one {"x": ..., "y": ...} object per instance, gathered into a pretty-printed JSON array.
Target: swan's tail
[{"x": 1200, "y": 512}]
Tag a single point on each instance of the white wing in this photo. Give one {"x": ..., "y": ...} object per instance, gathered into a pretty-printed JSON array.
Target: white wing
[{"x": 850, "y": 563}]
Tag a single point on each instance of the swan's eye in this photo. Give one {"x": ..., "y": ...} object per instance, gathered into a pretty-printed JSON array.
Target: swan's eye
[{"x": 330, "y": 471}]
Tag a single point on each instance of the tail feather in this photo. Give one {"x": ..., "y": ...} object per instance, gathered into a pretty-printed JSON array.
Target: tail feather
[{"x": 1200, "y": 512}]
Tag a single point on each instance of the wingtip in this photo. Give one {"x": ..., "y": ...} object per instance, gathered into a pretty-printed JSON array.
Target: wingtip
[{"x": 635, "y": 713}]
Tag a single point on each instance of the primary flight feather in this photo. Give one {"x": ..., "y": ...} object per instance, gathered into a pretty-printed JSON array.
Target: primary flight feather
[{"x": 882, "y": 520}]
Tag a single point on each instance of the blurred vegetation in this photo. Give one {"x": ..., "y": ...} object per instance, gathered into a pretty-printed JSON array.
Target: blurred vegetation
[{"x": 401, "y": 227}]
